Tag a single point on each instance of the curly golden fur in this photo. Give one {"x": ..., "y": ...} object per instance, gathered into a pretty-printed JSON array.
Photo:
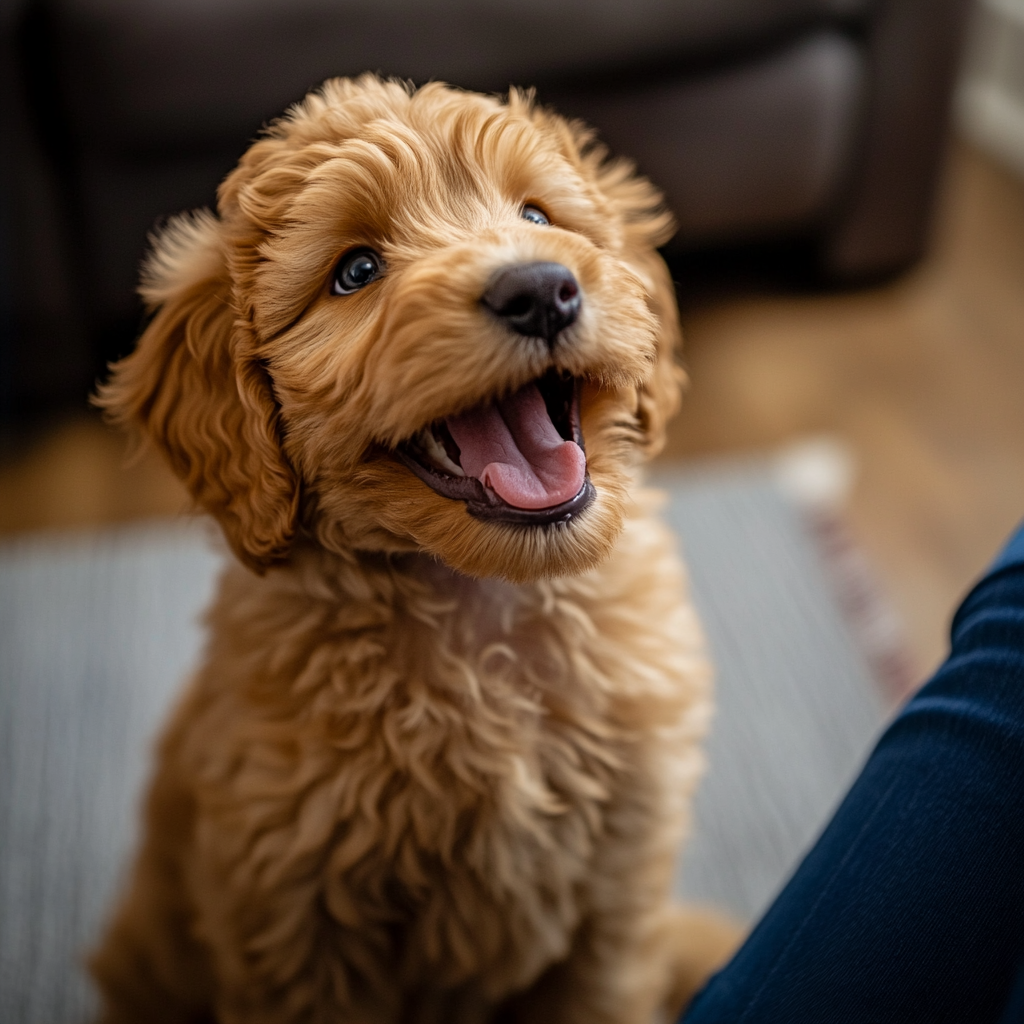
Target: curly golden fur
[{"x": 434, "y": 766}]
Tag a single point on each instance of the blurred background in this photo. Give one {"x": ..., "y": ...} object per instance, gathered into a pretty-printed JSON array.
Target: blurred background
[{"x": 847, "y": 177}]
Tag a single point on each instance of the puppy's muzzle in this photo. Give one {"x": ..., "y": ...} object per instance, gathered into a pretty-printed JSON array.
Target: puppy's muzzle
[{"x": 537, "y": 300}]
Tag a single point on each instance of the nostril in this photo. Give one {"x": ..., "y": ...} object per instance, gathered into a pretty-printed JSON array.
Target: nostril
[
  {"x": 518, "y": 305},
  {"x": 536, "y": 300}
]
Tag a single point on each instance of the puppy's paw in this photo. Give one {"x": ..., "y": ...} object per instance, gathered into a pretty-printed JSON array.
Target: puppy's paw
[{"x": 702, "y": 940}]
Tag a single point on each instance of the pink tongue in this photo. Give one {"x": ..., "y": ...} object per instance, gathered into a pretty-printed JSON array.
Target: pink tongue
[{"x": 513, "y": 448}]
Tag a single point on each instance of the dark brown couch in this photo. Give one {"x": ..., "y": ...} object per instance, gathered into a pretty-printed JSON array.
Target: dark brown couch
[{"x": 819, "y": 121}]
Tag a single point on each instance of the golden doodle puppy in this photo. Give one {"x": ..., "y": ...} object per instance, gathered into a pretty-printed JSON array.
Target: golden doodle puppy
[{"x": 437, "y": 759}]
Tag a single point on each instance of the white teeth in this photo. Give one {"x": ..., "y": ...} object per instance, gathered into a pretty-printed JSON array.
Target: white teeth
[{"x": 434, "y": 450}]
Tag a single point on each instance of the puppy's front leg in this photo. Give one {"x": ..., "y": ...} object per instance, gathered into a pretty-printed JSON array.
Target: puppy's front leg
[
  {"x": 636, "y": 958},
  {"x": 618, "y": 972},
  {"x": 701, "y": 941},
  {"x": 643, "y": 973}
]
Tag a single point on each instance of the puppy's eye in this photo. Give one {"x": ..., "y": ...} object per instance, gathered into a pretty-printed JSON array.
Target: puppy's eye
[
  {"x": 534, "y": 215},
  {"x": 355, "y": 270}
]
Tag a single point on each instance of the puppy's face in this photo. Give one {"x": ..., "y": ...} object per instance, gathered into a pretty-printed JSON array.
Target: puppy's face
[{"x": 421, "y": 322}]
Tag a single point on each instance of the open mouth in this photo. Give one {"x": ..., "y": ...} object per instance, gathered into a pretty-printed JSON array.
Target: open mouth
[{"x": 516, "y": 460}]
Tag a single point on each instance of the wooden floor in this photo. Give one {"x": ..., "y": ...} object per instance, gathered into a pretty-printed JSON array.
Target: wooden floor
[{"x": 922, "y": 378}]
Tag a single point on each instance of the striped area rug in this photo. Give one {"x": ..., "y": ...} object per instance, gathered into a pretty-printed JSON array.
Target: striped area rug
[{"x": 98, "y": 629}]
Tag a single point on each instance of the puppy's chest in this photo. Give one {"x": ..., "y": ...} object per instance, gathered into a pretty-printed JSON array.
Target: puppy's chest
[{"x": 444, "y": 768}]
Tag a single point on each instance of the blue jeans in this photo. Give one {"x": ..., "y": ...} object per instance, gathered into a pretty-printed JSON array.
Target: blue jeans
[{"x": 910, "y": 907}]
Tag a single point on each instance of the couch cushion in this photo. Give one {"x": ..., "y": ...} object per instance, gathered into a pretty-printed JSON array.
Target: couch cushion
[
  {"x": 748, "y": 151},
  {"x": 158, "y": 73},
  {"x": 740, "y": 153}
]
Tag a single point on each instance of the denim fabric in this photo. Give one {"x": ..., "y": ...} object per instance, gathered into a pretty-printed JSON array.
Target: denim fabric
[{"x": 910, "y": 907}]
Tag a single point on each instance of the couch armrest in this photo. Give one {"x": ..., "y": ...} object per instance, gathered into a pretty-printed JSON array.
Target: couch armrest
[{"x": 913, "y": 50}]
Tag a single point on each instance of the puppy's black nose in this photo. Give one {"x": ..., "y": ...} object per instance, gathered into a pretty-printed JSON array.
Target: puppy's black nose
[{"x": 535, "y": 299}]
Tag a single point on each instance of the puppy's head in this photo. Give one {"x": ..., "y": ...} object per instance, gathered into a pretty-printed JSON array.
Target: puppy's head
[{"x": 420, "y": 321}]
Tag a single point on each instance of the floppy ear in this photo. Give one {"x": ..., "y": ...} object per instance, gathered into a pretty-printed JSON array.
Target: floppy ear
[
  {"x": 646, "y": 223},
  {"x": 196, "y": 388},
  {"x": 659, "y": 400}
]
